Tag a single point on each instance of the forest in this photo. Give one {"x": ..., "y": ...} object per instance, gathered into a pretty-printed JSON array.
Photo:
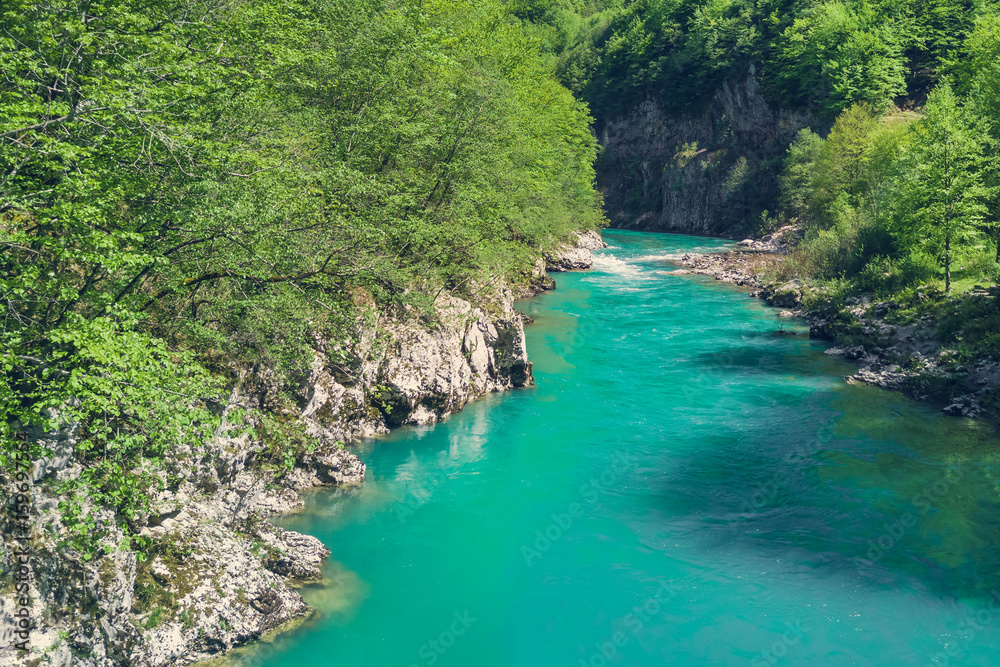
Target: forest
[
  {"x": 226, "y": 225},
  {"x": 895, "y": 184},
  {"x": 189, "y": 188},
  {"x": 193, "y": 189}
]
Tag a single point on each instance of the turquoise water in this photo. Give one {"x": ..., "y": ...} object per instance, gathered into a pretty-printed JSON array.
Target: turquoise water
[{"x": 691, "y": 483}]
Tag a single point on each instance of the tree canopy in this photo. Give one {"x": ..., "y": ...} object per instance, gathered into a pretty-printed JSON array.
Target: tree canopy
[
  {"x": 196, "y": 186},
  {"x": 825, "y": 55}
]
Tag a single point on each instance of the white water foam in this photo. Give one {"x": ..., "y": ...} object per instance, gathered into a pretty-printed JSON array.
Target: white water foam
[{"x": 616, "y": 266}]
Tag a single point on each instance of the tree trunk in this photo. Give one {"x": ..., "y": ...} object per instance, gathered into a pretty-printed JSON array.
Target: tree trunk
[{"x": 947, "y": 264}]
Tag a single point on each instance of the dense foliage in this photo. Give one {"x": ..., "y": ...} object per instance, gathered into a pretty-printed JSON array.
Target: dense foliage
[
  {"x": 821, "y": 54},
  {"x": 892, "y": 203},
  {"x": 896, "y": 182},
  {"x": 193, "y": 186}
]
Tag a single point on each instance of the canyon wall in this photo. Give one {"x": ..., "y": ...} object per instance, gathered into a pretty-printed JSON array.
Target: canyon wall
[{"x": 710, "y": 174}]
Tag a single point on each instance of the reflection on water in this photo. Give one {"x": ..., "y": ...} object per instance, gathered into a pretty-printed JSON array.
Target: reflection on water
[{"x": 690, "y": 483}]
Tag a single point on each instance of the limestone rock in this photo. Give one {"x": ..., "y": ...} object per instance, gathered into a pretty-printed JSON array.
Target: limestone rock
[
  {"x": 576, "y": 255},
  {"x": 820, "y": 329},
  {"x": 570, "y": 259},
  {"x": 590, "y": 240},
  {"x": 856, "y": 352},
  {"x": 220, "y": 572}
]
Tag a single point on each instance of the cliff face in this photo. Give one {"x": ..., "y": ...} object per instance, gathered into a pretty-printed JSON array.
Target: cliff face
[
  {"x": 712, "y": 174},
  {"x": 220, "y": 573},
  {"x": 409, "y": 374}
]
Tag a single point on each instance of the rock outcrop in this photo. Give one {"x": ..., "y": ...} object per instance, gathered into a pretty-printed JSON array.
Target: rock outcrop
[
  {"x": 575, "y": 256},
  {"x": 418, "y": 375},
  {"x": 731, "y": 267},
  {"x": 909, "y": 356},
  {"x": 783, "y": 295},
  {"x": 219, "y": 574}
]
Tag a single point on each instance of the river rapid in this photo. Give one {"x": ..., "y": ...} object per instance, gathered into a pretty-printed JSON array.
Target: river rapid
[{"x": 690, "y": 483}]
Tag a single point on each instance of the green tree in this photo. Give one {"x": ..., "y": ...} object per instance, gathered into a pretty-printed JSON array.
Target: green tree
[
  {"x": 944, "y": 178},
  {"x": 797, "y": 176},
  {"x": 838, "y": 54},
  {"x": 192, "y": 188},
  {"x": 980, "y": 74}
]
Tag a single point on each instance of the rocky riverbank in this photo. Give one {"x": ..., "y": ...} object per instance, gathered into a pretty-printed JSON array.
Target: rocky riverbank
[
  {"x": 893, "y": 349},
  {"x": 574, "y": 256},
  {"x": 213, "y": 572}
]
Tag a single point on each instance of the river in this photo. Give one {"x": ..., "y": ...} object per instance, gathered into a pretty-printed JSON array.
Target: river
[{"x": 690, "y": 483}]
